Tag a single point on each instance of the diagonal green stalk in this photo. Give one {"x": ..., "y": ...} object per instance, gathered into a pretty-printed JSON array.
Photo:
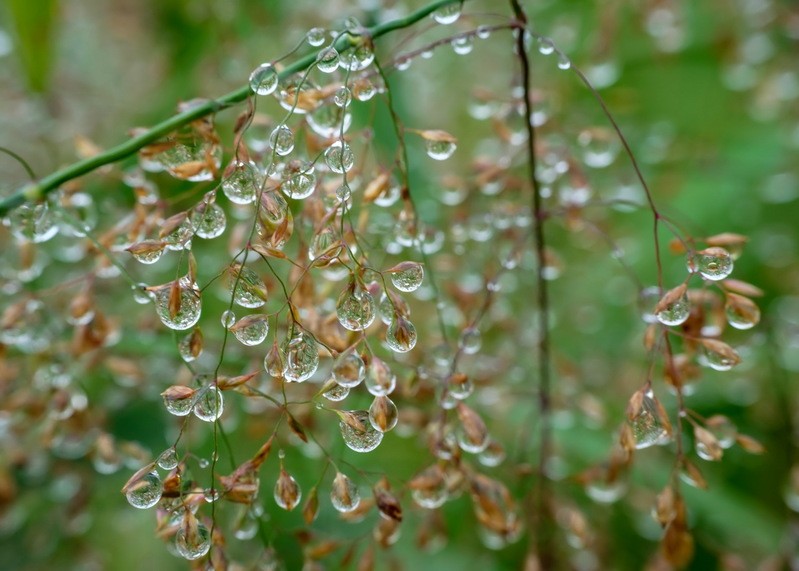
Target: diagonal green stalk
[{"x": 41, "y": 188}]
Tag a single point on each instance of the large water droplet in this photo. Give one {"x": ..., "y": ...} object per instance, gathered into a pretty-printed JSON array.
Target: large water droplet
[
  {"x": 675, "y": 313},
  {"x": 32, "y": 222},
  {"x": 448, "y": 14},
  {"x": 647, "y": 424},
  {"x": 188, "y": 308},
  {"x": 355, "y": 308},
  {"x": 146, "y": 491},
  {"x": 364, "y": 440},
  {"x": 712, "y": 263},
  {"x": 327, "y": 60},
  {"x": 193, "y": 541},
  {"x": 344, "y": 494},
  {"x": 264, "y": 79},
  {"x": 302, "y": 357},
  {"x": 401, "y": 335},
  {"x": 287, "y": 491},
  {"x": 282, "y": 140},
  {"x": 299, "y": 185},
  {"x": 315, "y": 37},
  {"x": 275, "y": 361},
  {"x": 241, "y": 183},
  {"x": 408, "y": 280},
  {"x": 383, "y": 414},
  {"x": 349, "y": 369},
  {"x": 250, "y": 290},
  {"x": 336, "y": 393},
  {"x": 339, "y": 157},
  {"x": 470, "y": 340},
  {"x": 210, "y": 221},
  {"x": 380, "y": 380},
  {"x": 168, "y": 460},
  {"x": 251, "y": 329},
  {"x": 209, "y": 405},
  {"x": 440, "y": 149}
]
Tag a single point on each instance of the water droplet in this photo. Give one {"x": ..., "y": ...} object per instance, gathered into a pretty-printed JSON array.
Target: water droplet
[
  {"x": 275, "y": 361},
  {"x": 145, "y": 492},
  {"x": 193, "y": 541},
  {"x": 339, "y": 157},
  {"x": 712, "y": 263},
  {"x": 336, "y": 393},
  {"x": 302, "y": 357},
  {"x": 241, "y": 183},
  {"x": 470, "y": 340},
  {"x": 564, "y": 62},
  {"x": 647, "y": 300},
  {"x": 440, "y": 149},
  {"x": 264, "y": 79},
  {"x": 188, "y": 308},
  {"x": 349, "y": 369},
  {"x": 228, "y": 319},
  {"x": 462, "y": 45},
  {"x": 401, "y": 335},
  {"x": 190, "y": 346},
  {"x": 363, "y": 89},
  {"x": 168, "y": 460},
  {"x": 742, "y": 315},
  {"x": 210, "y": 221},
  {"x": 383, "y": 414},
  {"x": 483, "y": 32},
  {"x": 210, "y": 405},
  {"x": 140, "y": 294},
  {"x": 675, "y": 313},
  {"x": 282, "y": 140},
  {"x": 246, "y": 526},
  {"x": 408, "y": 280},
  {"x": 355, "y": 308},
  {"x": 210, "y": 495},
  {"x": 647, "y": 425},
  {"x": 493, "y": 455},
  {"x": 545, "y": 46},
  {"x": 380, "y": 380},
  {"x": 327, "y": 60},
  {"x": 251, "y": 330},
  {"x": 344, "y": 494},
  {"x": 459, "y": 387},
  {"x": 343, "y": 96},
  {"x": 315, "y": 37},
  {"x": 431, "y": 490},
  {"x": 357, "y": 58},
  {"x": 605, "y": 492},
  {"x": 32, "y": 222},
  {"x": 287, "y": 491},
  {"x": 718, "y": 356},
  {"x": 329, "y": 121},
  {"x": 299, "y": 185},
  {"x": 599, "y": 147},
  {"x": 403, "y": 63},
  {"x": 364, "y": 440},
  {"x": 448, "y": 14},
  {"x": 179, "y": 406},
  {"x": 250, "y": 290}
]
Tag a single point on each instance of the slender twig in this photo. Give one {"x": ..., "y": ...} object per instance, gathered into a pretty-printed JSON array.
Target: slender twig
[
  {"x": 544, "y": 513},
  {"x": 40, "y": 189}
]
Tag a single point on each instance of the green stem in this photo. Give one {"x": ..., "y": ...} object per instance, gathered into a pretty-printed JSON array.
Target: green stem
[{"x": 44, "y": 186}]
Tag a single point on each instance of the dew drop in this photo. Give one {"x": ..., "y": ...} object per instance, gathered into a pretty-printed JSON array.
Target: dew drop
[
  {"x": 712, "y": 263},
  {"x": 383, "y": 414},
  {"x": 470, "y": 340},
  {"x": 302, "y": 357},
  {"x": 141, "y": 295},
  {"x": 401, "y": 335},
  {"x": 719, "y": 360},
  {"x": 349, "y": 369},
  {"x": 364, "y": 440},
  {"x": 210, "y": 405},
  {"x": 32, "y": 222},
  {"x": 299, "y": 185},
  {"x": 329, "y": 121},
  {"x": 336, "y": 393},
  {"x": 241, "y": 183},
  {"x": 282, "y": 140},
  {"x": 193, "y": 541},
  {"x": 146, "y": 491},
  {"x": 339, "y": 157},
  {"x": 179, "y": 406},
  {"x": 252, "y": 329},
  {"x": 211, "y": 221},
  {"x": 675, "y": 313},
  {"x": 228, "y": 319},
  {"x": 355, "y": 308},
  {"x": 250, "y": 290},
  {"x": 564, "y": 62},
  {"x": 493, "y": 455},
  {"x": 408, "y": 280},
  {"x": 327, "y": 60},
  {"x": 380, "y": 381},
  {"x": 448, "y": 14},
  {"x": 462, "y": 45},
  {"x": 287, "y": 491},
  {"x": 440, "y": 150},
  {"x": 647, "y": 425},
  {"x": 483, "y": 32},
  {"x": 363, "y": 90},
  {"x": 190, "y": 306},
  {"x": 357, "y": 58},
  {"x": 275, "y": 361},
  {"x": 315, "y": 37},
  {"x": 742, "y": 315},
  {"x": 545, "y": 46},
  {"x": 264, "y": 79},
  {"x": 433, "y": 494},
  {"x": 168, "y": 460},
  {"x": 344, "y": 494},
  {"x": 342, "y": 97}
]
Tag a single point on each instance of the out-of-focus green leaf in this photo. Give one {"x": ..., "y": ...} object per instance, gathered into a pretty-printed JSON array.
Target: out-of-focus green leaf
[{"x": 34, "y": 23}]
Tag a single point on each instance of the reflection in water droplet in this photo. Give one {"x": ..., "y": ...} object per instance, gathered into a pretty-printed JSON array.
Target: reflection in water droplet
[
  {"x": 146, "y": 491},
  {"x": 364, "y": 440}
]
